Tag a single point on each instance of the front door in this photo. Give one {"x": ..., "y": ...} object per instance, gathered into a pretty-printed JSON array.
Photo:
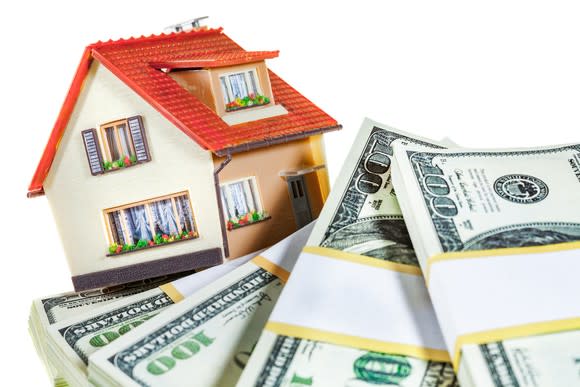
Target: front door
[{"x": 299, "y": 199}]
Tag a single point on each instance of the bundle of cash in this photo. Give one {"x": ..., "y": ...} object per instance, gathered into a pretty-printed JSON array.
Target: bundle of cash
[
  {"x": 66, "y": 328},
  {"x": 496, "y": 233},
  {"x": 206, "y": 339},
  {"x": 355, "y": 311},
  {"x": 46, "y": 311}
]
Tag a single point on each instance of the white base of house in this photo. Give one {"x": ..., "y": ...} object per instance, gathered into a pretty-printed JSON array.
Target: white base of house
[{"x": 254, "y": 114}]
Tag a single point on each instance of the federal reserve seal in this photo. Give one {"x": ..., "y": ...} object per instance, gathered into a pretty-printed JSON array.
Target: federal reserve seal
[{"x": 523, "y": 189}]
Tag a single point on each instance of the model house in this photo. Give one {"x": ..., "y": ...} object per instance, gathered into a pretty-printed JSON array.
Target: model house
[{"x": 174, "y": 152}]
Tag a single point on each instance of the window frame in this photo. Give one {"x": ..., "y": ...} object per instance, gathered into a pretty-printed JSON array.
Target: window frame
[
  {"x": 105, "y": 142},
  {"x": 235, "y": 222},
  {"x": 228, "y": 96},
  {"x": 125, "y": 229}
]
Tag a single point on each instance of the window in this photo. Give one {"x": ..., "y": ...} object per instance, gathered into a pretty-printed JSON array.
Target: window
[
  {"x": 241, "y": 90},
  {"x": 123, "y": 143},
  {"x": 117, "y": 141},
  {"x": 241, "y": 202},
  {"x": 150, "y": 223}
]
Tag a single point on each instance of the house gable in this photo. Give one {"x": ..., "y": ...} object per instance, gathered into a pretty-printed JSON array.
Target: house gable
[{"x": 78, "y": 199}]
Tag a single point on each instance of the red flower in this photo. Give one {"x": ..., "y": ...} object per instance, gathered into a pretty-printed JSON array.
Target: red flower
[
  {"x": 165, "y": 236},
  {"x": 151, "y": 243},
  {"x": 118, "y": 249}
]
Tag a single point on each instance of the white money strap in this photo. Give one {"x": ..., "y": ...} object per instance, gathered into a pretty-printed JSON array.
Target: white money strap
[
  {"x": 183, "y": 287},
  {"x": 357, "y": 301},
  {"x": 281, "y": 258},
  {"x": 493, "y": 295}
]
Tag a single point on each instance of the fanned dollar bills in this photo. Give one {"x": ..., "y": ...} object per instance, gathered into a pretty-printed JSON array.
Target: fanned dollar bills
[
  {"x": 496, "y": 234},
  {"x": 67, "y": 328},
  {"x": 355, "y": 289},
  {"x": 207, "y": 338},
  {"x": 47, "y": 311}
]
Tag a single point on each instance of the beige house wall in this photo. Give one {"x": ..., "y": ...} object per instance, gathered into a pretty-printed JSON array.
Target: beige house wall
[
  {"x": 77, "y": 198},
  {"x": 198, "y": 83},
  {"x": 265, "y": 164}
]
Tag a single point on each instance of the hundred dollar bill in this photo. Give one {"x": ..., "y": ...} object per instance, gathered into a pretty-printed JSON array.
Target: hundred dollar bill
[
  {"x": 479, "y": 201},
  {"x": 46, "y": 311},
  {"x": 71, "y": 341},
  {"x": 297, "y": 362},
  {"x": 206, "y": 339},
  {"x": 545, "y": 360},
  {"x": 361, "y": 216}
]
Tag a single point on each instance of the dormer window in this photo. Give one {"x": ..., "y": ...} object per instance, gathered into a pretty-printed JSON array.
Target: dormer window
[
  {"x": 242, "y": 90},
  {"x": 236, "y": 87}
]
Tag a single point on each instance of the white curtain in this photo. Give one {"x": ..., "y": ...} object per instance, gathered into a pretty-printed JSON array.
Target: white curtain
[
  {"x": 238, "y": 84},
  {"x": 225, "y": 92},
  {"x": 118, "y": 228},
  {"x": 136, "y": 218},
  {"x": 238, "y": 198},
  {"x": 184, "y": 212},
  {"x": 249, "y": 198},
  {"x": 164, "y": 217},
  {"x": 253, "y": 81}
]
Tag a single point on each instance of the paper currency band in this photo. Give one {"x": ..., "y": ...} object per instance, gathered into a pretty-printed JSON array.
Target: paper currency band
[
  {"x": 493, "y": 335},
  {"x": 298, "y": 330},
  {"x": 454, "y": 255},
  {"x": 510, "y": 332},
  {"x": 271, "y": 267},
  {"x": 357, "y": 342},
  {"x": 362, "y": 260}
]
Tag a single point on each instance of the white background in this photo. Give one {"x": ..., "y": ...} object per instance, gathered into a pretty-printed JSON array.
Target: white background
[{"x": 494, "y": 73}]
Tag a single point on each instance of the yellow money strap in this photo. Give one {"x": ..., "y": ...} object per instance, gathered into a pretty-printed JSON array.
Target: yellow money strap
[
  {"x": 482, "y": 254},
  {"x": 501, "y": 334},
  {"x": 357, "y": 342},
  {"x": 362, "y": 260},
  {"x": 171, "y": 291},
  {"x": 271, "y": 267}
]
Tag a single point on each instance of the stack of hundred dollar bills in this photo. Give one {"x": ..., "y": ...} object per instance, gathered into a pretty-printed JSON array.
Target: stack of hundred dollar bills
[
  {"x": 496, "y": 233},
  {"x": 471, "y": 267}
]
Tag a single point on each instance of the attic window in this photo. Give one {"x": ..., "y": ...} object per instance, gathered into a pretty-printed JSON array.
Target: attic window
[{"x": 242, "y": 90}]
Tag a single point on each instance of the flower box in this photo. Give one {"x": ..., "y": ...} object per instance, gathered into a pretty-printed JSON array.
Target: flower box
[
  {"x": 118, "y": 164},
  {"x": 247, "y": 102},
  {"x": 247, "y": 219},
  {"x": 158, "y": 240}
]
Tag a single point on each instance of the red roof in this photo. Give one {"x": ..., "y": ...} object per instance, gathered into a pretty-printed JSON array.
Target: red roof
[
  {"x": 218, "y": 60},
  {"x": 136, "y": 62}
]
